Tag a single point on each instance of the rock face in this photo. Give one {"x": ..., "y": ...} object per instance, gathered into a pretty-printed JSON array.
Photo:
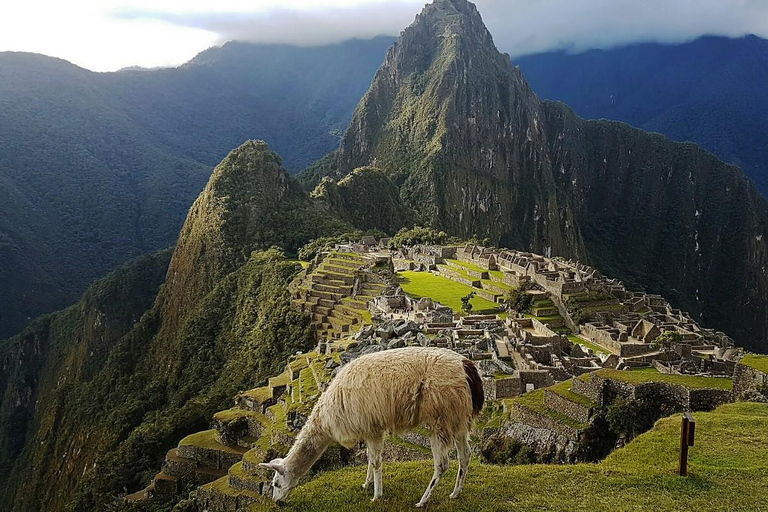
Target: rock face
[{"x": 476, "y": 153}]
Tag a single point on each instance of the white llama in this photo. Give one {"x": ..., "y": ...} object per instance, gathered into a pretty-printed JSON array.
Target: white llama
[{"x": 390, "y": 391}]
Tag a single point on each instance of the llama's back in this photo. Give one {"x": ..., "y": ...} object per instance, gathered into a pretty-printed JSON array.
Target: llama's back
[{"x": 397, "y": 390}]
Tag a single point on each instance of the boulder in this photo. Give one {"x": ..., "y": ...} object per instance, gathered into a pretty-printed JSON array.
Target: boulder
[
  {"x": 396, "y": 343},
  {"x": 385, "y": 331},
  {"x": 371, "y": 349},
  {"x": 406, "y": 327}
]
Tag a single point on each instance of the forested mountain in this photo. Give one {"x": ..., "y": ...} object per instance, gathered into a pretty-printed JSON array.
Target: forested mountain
[
  {"x": 449, "y": 134},
  {"x": 712, "y": 91},
  {"x": 476, "y": 153},
  {"x": 91, "y": 396},
  {"x": 99, "y": 168}
]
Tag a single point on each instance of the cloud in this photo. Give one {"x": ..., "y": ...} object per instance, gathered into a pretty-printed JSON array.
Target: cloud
[
  {"x": 108, "y": 34},
  {"x": 326, "y": 22},
  {"x": 519, "y": 27},
  {"x": 522, "y": 27}
]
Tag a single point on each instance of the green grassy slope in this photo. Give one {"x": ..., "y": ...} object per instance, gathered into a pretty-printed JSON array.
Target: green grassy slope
[
  {"x": 441, "y": 289},
  {"x": 726, "y": 472}
]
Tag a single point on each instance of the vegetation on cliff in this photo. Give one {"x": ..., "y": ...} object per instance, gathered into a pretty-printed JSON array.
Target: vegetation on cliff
[
  {"x": 221, "y": 322},
  {"x": 97, "y": 169}
]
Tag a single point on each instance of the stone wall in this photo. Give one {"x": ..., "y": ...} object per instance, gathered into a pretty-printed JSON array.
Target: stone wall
[
  {"x": 592, "y": 388},
  {"x": 576, "y": 411},
  {"x": 536, "y": 419},
  {"x": 508, "y": 387},
  {"x": 746, "y": 378},
  {"x": 633, "y": 349},
  {"x": 542, "y": 441},
  {"x": 708, "y": 399},
  {"x": 539, "y": 378}
]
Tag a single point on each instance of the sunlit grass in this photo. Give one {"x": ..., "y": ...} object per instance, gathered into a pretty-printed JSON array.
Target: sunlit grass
[
  {"x": 726, "y": 472},
  {"x": 445, "y": 291}
]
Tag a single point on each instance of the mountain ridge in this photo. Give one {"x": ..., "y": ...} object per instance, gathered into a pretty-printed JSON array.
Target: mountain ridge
[
  {"x": 476, "y": 153},
  {"x": 99, "y": 168}
]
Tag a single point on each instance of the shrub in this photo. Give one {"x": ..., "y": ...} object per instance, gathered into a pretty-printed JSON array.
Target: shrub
[{"x": 518, "y": 300}]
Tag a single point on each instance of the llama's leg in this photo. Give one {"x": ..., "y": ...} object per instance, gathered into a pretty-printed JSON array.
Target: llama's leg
[
  {"x": 369, "y": 474},
  {"x": 375, "y": 447},
  {"x": 463, "y": 451},
  {"x": 440, "y": 450}
]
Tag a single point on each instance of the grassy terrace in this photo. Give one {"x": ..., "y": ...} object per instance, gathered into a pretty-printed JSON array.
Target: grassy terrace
[
  {"x": 756, "y": 361},
  {"x": 207, "y": 439},
  {"x": 443, "y": 290},
  {"x": 470, "y": 266},
  {"x": 651, "y": 375},
  {"x": 726, "y": 472},
  {"x": 594, "y": 346},
  {"x": 486, "y": 282},
  {"x": 534, "y": 400},
  {"x": 564, "y": 389}
]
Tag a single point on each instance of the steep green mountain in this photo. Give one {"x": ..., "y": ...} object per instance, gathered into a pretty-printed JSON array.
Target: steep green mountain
[
  {"x": 712, "y": 91},
  {"x": 92, "y": 396},
  {"x": 476, "y": 153},
  {"x": 99, "y": 168}
]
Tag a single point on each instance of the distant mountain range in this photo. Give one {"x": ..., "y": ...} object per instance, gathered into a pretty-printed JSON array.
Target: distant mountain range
[
  {"x": 712, "y": 91},
  {"x": 99, "y": 168}
]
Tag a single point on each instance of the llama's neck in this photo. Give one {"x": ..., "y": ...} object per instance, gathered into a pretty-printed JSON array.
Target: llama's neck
[{"x": 309, "y": 446}]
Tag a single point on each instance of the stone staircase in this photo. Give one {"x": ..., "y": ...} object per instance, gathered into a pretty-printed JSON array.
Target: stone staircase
[
  {"x": 336, "y": 293},
  {"x": 545, "y": 310},
  {"x": 489, "y": 284}
]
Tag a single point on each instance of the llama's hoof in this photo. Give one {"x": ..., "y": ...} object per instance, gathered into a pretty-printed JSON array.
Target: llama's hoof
[
  {"x": 453, "y": 495},
  {"x": 365, "y": 485},
  {"x": 375, "y": 498},
  {"x": 420, "y": 505}
]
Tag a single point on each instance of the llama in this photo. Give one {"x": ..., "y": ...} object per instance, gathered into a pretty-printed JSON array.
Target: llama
[{"x": 390, "y": 391}]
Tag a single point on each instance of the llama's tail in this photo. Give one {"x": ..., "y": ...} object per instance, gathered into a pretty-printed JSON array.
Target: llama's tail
[{"x": 475, "y": 386}]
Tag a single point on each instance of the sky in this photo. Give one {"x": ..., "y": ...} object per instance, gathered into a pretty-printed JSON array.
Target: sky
[{"x": 106, "y": 35}]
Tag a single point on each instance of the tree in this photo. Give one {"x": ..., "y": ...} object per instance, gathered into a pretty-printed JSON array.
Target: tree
[
  {"x": 466, "y": 305},
  {"x": 666, "y": 340},
  {"x": 518, "y": 300}
]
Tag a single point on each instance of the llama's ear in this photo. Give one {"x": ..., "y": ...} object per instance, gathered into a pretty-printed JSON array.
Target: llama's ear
[{"x": 275, "y": 465}]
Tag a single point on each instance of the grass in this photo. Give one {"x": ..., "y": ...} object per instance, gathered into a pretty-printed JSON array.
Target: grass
[
  {"x": 756, "y": 361},
  {"x": 206, "y": 439},
  {"x": 260, "y": 395},
  {"x": 651, "y": 375},
  {"x": 726, "y": 472},
  {"x": 581, "y": 341},
  {"x": 443, "y": 290},
  {"x": 470, "y": 266},
  {"x": 236, "y": 413},
  {"x": 534, "y": 400},
  {"x": 564, "y": 390},
  {"x": 281, "y": 380}
]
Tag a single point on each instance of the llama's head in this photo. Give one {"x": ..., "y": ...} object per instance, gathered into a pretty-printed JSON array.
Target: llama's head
[{"x": 283, "y": 481}]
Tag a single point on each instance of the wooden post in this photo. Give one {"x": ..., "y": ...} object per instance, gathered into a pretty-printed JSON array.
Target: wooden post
[{"x": 687, "y": 432}]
